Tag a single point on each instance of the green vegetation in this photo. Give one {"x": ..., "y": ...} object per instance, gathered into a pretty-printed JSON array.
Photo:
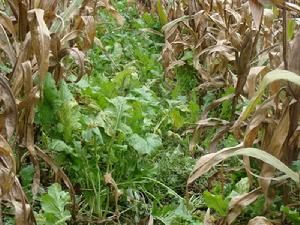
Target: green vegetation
[{"x": 121, "y": 120}]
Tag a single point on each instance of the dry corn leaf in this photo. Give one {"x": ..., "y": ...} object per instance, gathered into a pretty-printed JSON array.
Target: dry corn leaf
[
  {"x": 40, "y": 36},
  {"x": 8, "y": 113},
  {"x": 272, "y": 76},
  {"x": 6, "y": 46},
  {"x": 238, "y": 203},
  {"x": 275, "y": 148},
  {"x": 257, "y": 10},
  {"x": 259, "y": 220},
  {"x": 206, "y": 162}
]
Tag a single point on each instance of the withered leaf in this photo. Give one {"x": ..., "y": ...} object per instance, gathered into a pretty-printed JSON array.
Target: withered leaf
[
  {"x": 40, "y": 36},
  {"x": 238, "y": 203},
  {"x": 8, "y": 112},
  {"x": 257, "y": 10},
  {"x": 260, "y": 220}
]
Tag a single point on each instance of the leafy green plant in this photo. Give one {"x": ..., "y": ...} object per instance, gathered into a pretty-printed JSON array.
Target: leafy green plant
[
  {"x": 172, "y": 215},
  {"x": 216, "y": 202},
  {"x": 292, "y": 215},
  {"x": 54, "y": 207}
]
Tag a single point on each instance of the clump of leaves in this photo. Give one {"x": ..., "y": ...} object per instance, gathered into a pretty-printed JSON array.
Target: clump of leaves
[
  {"x": 54, "y": 207},
  {"x": 292, "y": 215},
  {"x": 175, "y": 215}
]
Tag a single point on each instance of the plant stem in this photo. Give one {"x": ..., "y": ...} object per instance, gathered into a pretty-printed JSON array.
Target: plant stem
[{"x": 284, "y": 38}]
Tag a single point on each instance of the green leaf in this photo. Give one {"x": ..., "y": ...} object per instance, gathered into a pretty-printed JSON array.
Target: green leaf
[
  {"x": 27, "y": 174},
  {"x": 173, "y": 216},
  {"x": 242, "y": 186},
  {"x": 5, "y": 69},
  {"x": 178, "y": 120},
  {"x": 60, "y": 146},
  {"x": 292, "y": 215},
  {"x": 296, "y": 166},
  {"x": 50, "y": 104},
  {"x": 53, "y": 205},
  {"x": 216, "y": 202},
  {"x": 291, "y": 26},
  {"x": 145, "y": 145},
  {"x": 163, "y": 18}
]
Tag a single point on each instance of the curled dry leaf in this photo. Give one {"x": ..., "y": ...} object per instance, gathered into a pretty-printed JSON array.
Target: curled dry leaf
[
  {"x": 7, "y": 168},
  {"x": 6, "y": 45},
  {"x": 151, "y": 220},
  {"x": 206, "y": 162},
  {"x": 105, "y": 3},
  {"x": 252, "y": 130},
  {"x": 294, "y": 59},
  {"x": 257, "y": 10},
  {"x": 220, "y": 133},
  {"x": 260, "y": 220},
  {"x": 238, "y": 203},
  {"x": 272, "y": 76},
  {"x": 202, "y": 125},
  {"x": 208, "y": 219},
  {"x": 40, "y": 36},
  {"x": 10, "y": 188},
  {"x": 111, "y": 182},
  {"x": 215, "y": 104},
  {"x": 275, "y": 148},
  {"x": 8, "y": 109},
  {"x": 252, "y": 79},
  {"x": 78, "y": 57}
]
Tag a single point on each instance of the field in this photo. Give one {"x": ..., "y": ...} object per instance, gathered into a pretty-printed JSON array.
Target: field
[{"x": 149, "y": 112}]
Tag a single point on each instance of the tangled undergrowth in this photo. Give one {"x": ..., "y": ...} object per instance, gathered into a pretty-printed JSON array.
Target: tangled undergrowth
[{"x": 137, "y": 112}]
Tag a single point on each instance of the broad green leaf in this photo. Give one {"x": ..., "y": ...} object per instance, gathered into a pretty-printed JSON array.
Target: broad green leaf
[
  {"x": 173, "y": 216},
  {"x": 59, "y": 146},
  {"x": 53, "y": 205},
  {"x": 145, "y": 145},
  {"x": 125, "y": 129},
  {"x": 5, "y": 69},
  {"x": 216, "y": 202},
  {"x": 178, "y": 120},
  {"x": 27, "y": 174}
]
